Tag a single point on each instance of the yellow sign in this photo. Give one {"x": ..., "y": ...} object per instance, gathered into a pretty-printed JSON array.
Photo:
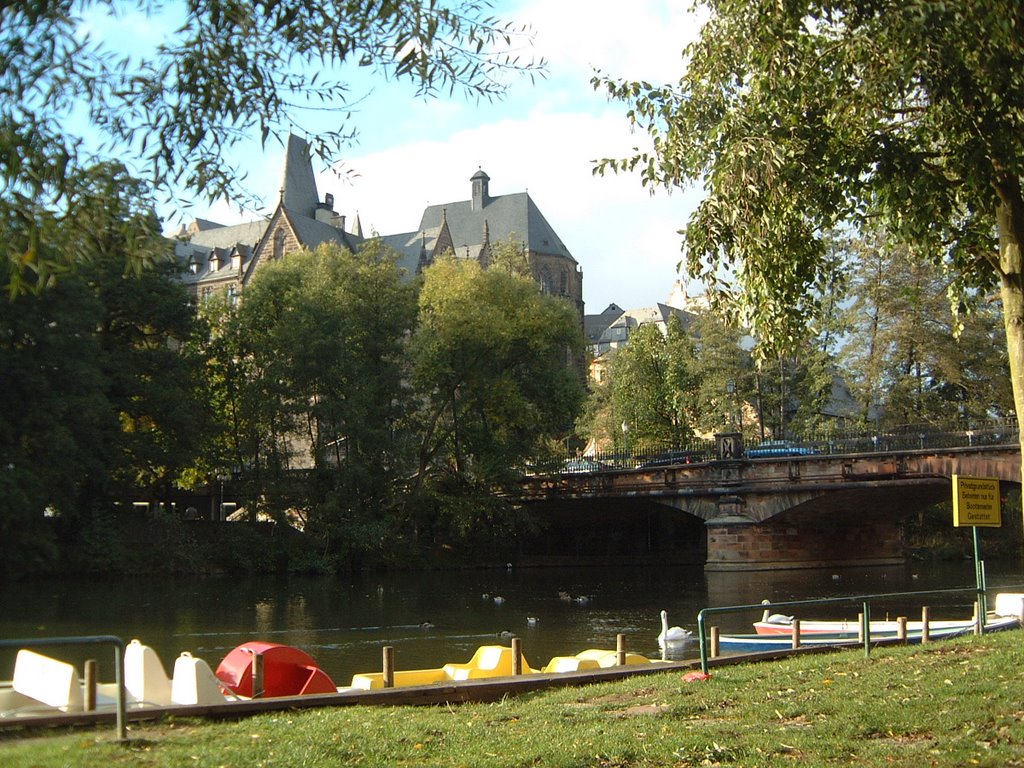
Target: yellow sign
[{"x": 976, "y": 501}]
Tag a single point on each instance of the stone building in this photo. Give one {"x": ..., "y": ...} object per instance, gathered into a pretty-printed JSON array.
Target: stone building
[{"x": 223, "y": 259}]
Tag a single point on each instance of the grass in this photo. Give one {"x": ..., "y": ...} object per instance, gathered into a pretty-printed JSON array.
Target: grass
[{"x": 954, "y": 703}]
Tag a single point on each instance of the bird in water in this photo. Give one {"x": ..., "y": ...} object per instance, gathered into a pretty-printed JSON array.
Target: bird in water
[
  {"x": 532, "y": 621},
  {"x": 669, "y": 634},
  {"x": 498, "y": 600},
  {"x": 426, "y": 625}
]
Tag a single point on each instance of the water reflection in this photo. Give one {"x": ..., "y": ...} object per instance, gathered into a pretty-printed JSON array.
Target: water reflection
[{"x": 431, "y": 618}]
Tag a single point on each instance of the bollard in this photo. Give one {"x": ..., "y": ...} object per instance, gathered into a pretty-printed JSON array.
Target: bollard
[
  {"x": 925, "y": 625},
  {"x": 90, "y": 685},
  {"x": 388, "y": 671},
  {"x": 620, "y": 650},
  {"x": 979, "y": 626},
  {"x": 715, "y": 647},
  {"x": 517, "y": 656},
  {"x": 860, "y": 628},
  {"x": 796, "y": 633},
  {"x": 901, "y": 629},
  {"x": 257, "y": 675}
]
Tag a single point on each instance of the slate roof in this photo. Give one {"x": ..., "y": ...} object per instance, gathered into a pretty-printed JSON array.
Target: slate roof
[
  {"x": 298, "y": 184},
  {"x": 505, "y": 215},
  {"x": 501, "y": 217}
]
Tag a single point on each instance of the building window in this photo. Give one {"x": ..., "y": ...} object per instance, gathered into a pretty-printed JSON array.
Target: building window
[
  {"x": 546, "y": 283},
  {"x": 565, "y": 283},
  {"x": 278, "y": 244},
  {"x": 232, "y": 295}
]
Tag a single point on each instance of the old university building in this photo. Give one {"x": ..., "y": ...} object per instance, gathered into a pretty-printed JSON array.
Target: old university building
[{"x": 223, "y": 259}]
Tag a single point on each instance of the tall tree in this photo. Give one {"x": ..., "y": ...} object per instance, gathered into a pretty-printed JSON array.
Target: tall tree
[
  {"x": 313, "y": 365},
  {"x": 225, "y": 70},
  {"x": 801, "y": 116},
  {"x": 101, "y": 402},
  {"x": 493, "y": 369},
  {"x": 905, "y": 359},
  {"x": 654, "y": 382}
]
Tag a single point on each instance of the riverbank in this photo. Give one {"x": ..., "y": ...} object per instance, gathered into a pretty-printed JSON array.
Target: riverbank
[{"x": 950, "y": 704}]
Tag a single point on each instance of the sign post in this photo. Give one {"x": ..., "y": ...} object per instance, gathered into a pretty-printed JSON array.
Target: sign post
[{"x": 976, "y": 504}]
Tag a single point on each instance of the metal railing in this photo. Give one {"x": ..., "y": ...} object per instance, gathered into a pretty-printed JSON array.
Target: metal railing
[
  {"x": 634, "y": 454},
  {"x": 863, "y": 600},
  {"x": 116, "y": 642}
]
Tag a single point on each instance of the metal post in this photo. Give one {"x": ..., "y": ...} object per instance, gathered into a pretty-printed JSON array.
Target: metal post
[
  {"x": 702, "y": 639},
  {"x": 517, "y": 656},
  {"x": 121, "y": 706}
]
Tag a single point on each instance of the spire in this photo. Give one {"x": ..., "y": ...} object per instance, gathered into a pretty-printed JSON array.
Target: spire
[
  {"x": 424, "y": 261},
  {"x": 358, "y": 229},
  {"x": 298, "y": 184}
]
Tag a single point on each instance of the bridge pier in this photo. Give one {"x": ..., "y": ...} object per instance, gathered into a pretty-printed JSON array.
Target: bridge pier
[{"x": 737, "y": 544}]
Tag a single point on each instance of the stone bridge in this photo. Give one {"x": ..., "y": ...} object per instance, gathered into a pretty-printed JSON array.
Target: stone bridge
[{"x": 797, "y": 511}]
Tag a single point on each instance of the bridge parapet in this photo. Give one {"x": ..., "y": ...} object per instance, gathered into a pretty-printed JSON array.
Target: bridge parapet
[{"x": 785, "y": 511}]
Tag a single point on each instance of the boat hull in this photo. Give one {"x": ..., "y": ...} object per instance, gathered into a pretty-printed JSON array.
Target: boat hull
[{"x": 756, "y": 643}]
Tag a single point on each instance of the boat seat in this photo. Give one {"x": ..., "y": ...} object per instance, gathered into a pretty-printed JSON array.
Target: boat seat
[
  {"x": 1009, "y": 604},
  {"x": 488, "y": 661},
  {"x": 51, "y": 681},
  {"x": 145, "y": 680},
  {"x": 610, "y": 658},
  {"x": 194, "y": 682},
  {"x": 570, "y": 664}
]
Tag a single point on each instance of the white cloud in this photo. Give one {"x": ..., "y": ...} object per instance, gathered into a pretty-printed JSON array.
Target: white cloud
[{"x": 543, "y": 139}]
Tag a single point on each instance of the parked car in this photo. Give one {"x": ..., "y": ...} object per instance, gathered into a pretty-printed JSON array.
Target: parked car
[
  {"x": 770, "y": 448},
  {"x": 670, "y": 458},
  {"x": 583, "y": 464}
]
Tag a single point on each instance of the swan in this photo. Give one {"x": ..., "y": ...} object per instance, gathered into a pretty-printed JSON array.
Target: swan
[
  {"x": 671, "y": 634},
  {"x": 774, "y": 618}
]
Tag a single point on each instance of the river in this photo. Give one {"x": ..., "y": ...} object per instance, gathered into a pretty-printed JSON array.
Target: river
[{"x": 431, "y": 618}]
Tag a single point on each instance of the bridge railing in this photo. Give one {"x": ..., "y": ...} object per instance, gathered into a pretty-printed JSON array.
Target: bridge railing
[{"x": 638, "y": 454}]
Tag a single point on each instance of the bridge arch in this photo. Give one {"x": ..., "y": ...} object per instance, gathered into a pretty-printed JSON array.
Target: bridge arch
[{"x": 796, "y": 512}]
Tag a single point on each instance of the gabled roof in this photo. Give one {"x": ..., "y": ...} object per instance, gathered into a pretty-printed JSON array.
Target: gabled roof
[
  {"x": 505, "y": 216},
  {"x": 312, "y": 233}
]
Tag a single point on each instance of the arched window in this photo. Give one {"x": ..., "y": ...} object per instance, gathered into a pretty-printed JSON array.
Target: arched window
[
  {"x": 565, "y": 282},
  {"x": 546, "y": 283}
]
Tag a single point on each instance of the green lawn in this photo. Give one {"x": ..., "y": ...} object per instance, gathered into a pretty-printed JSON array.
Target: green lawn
[{"x": 954, "y": 703}]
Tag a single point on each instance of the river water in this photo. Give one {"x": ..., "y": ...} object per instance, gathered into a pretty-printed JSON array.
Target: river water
[{"x": 431, "y": 618}]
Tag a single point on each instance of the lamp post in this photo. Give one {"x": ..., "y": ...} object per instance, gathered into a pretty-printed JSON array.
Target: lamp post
[{"x": 625, "y": 438}]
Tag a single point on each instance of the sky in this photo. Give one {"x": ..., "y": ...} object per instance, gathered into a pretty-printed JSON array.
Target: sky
[{"x": 542, "y": 138}]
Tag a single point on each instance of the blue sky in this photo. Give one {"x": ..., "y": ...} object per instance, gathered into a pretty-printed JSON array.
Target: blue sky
[{"x": 542, "y": 138}]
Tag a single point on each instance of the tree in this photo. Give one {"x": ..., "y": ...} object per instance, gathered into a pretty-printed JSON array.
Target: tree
[
  {"x": 311, "y": 365},
  {"x": 225, "y": 71},
  {"x": 800, "y": 117},
  {"x": 101, "y": 401},
  {"x": 905, "y": 361},
  {"x": 492, "y": 369},
  {"x": 654, "y": 385}
]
